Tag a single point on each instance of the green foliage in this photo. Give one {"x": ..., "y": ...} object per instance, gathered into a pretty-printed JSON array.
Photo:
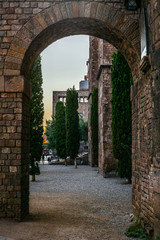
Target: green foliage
[
  {"x": 83, "y": 129},
  {"x": 35, "y": 170},
  {"x": 50, "y": 134},
  {"x": 60, "y": 130},
  {"x": 72, "y": 123},
  {"x": 94, "y": 125},
  {"x": 121, "y": 114},
  {"x": 136, "y": 230},
  {"x": 36, "y": 111}
]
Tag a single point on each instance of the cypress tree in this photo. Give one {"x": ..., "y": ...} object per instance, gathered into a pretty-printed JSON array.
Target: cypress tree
[
  {"x": 83, "y": 129},
  {"x": 121, "y": 114},
  {"x": 36, "y": 111},
  {"x": 36, "y": 114},
  {"x": 60, "y": 130},
  {"x": 72, "y": 124},
  {"x": 50, "y": 133},
  {"x": 94, "y": 126}
]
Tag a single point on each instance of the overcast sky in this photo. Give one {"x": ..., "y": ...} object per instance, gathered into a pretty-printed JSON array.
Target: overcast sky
[{"x": 63, "y": 65}]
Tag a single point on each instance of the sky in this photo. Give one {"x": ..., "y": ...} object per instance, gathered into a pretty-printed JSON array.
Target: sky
[{"x": 63, "y": 65}]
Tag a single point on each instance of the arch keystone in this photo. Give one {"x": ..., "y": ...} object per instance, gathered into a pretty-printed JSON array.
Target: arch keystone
[
  {"x": 93, "y": 10},
  {"x": 63, "y": 11},
  {"x": 81, "y": 8},
  {"x": 100, "y": 11},
  {"x": 75, "y": 9},
  {"x": 69, "y": 9},
  {"x": 57, "y": 12}
]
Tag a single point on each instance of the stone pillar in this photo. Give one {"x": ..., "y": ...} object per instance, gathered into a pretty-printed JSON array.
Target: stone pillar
[
  {"x": 14, "y": 147},
  {"x": 92, "y": 78},
  {"x": 107, "y": 163}
]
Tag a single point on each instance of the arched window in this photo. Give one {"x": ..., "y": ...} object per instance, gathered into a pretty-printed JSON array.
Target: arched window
[
  {"x": 144, "y": 33},
  {"x": 81, "y": 99},
  {"x": 85, "y": 99}
]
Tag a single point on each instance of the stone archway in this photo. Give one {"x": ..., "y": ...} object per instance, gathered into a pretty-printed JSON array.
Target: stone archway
[
  {"x": 71, "y": 18},
  {"x": 27, "y": 31}
]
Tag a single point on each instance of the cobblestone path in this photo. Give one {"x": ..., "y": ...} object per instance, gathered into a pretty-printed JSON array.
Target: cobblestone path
[{"x": 73, "y": 204}]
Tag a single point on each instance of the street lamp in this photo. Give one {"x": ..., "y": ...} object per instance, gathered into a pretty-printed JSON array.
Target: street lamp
[{"x": 131, "y": 4}]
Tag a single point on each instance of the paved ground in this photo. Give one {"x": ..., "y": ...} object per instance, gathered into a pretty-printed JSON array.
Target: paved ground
[{"x": 73, "y": 204}]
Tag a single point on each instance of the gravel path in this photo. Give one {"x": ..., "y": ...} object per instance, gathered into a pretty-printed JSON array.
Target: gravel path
[{"x": 73, "y": 204}]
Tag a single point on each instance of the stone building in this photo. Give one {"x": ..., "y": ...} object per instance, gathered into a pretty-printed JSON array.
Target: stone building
[
  {"x": 99, "y": 75},
  {"x": 27, "y": 28},
  {"x": 82, "y": 99}
]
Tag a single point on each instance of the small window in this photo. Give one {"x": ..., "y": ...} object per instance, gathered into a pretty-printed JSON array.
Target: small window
[
  {"x": 81, "y": 99},
  {"x": 85, "y": 99}
]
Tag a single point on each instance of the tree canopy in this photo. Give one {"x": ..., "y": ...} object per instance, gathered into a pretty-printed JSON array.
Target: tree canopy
[{"x": 121, "y": 114}]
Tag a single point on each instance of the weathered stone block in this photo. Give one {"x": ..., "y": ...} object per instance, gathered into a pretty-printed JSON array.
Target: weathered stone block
[
  {"x": 13, "y": 169},
  {"x": 14, "y": 84},
  {"x": 11, "y": 129},
  {"x": 8, "y": 116},
  {"x": 6, "y": 150},
  {"x": 156, "y": 185},
  {"x": 2, "y": 175}
]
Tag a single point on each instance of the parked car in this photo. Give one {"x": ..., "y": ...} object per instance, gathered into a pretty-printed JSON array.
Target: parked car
[{"x": 50, "y": 157}]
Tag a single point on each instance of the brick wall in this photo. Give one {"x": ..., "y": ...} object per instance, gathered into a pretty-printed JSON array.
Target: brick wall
[{"x": 14, "y": 155}]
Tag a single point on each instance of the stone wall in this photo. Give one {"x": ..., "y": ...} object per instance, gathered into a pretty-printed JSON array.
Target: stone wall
[
  {"x": 154, "y": 35},
  {"x": 146, "y": 127},
  {"x": 142, "y": 143}
]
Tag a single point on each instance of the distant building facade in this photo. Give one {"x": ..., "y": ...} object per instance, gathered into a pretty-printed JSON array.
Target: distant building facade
[{"x": 83, "y": 93}]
